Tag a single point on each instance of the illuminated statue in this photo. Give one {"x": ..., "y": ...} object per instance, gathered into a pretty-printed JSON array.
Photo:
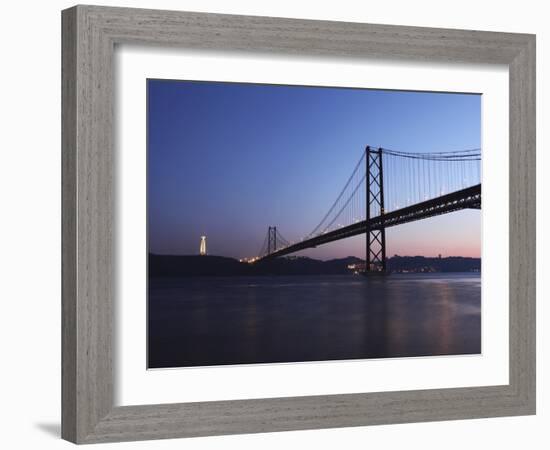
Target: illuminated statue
[{"x": 202, "y": 249}]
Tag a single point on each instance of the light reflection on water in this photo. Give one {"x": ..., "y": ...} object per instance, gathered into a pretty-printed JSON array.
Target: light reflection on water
[{"x": 214, "y": 321}]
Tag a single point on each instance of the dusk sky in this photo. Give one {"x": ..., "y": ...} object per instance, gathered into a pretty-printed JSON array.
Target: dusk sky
[{"x": 228, "y": 160}]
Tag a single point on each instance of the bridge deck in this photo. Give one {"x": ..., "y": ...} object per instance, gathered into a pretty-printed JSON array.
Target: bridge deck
[{"x": 463, "y": 199}]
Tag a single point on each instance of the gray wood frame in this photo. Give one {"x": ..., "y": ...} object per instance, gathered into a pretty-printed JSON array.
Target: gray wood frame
[{"x": 89, "y": 36}]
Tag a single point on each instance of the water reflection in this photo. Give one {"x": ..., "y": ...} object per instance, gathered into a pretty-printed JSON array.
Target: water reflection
[{"x": 213, "y": 321}]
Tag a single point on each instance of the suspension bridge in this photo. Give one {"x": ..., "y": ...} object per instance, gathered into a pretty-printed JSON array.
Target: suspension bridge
[{"x": 385, "y": 189}]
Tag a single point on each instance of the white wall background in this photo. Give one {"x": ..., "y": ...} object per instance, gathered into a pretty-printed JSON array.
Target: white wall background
[{"x": 30, "y": 209}]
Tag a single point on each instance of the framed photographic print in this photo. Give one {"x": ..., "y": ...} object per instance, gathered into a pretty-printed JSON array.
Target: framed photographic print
[
  {"x": 225, "y": 287},
  {"x": 279, "y": 224}
]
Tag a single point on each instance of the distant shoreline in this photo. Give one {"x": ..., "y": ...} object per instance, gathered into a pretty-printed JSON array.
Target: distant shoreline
[{"x": 210, "y": 265}]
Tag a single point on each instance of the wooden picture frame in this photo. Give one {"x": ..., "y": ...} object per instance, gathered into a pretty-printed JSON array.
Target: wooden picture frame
[{"x": 89, "y": 37}]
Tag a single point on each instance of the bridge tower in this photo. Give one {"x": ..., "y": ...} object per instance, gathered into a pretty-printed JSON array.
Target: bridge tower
[
  {"x": 271, "y": 240},
  {"x": 375, "y": 238}
]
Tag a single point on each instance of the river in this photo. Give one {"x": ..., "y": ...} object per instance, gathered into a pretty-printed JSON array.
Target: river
[{"x": 244, "y": 320}]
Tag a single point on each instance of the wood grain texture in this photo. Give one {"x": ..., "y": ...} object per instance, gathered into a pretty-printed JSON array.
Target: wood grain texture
[
  {"x": 522, "y": 194},
  {"x": 89, "y": 36},
  {"x": 68, "y": 226}
]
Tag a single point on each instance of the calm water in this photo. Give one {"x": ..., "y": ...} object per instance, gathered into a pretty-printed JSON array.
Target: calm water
[{"x": 239, "y": 320}]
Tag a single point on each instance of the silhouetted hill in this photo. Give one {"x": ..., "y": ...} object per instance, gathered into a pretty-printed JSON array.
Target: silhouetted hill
[
  {"x": 195, "y": 265},
  {"x": 423, "y": 264}
]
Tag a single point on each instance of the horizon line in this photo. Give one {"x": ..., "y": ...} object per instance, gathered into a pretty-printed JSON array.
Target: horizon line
[{"x": 318, "y": 259}]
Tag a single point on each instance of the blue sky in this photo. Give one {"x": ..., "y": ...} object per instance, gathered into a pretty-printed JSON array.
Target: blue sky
[{"x": 227, "y": 160}]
